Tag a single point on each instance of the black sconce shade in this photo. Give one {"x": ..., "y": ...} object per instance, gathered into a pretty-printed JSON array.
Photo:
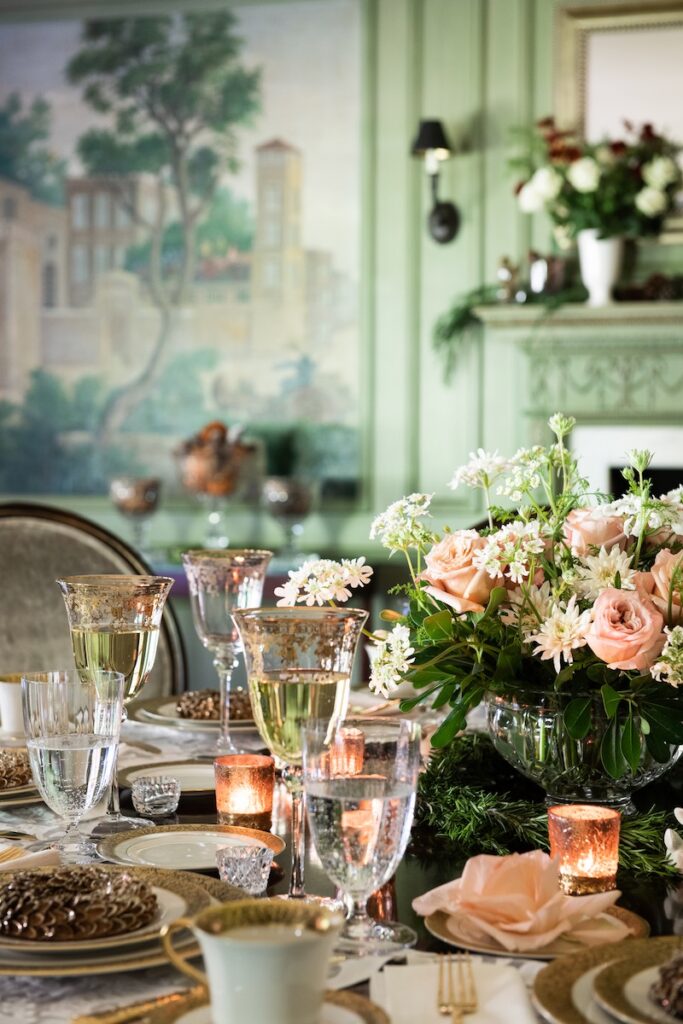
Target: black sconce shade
[
  {"x": 431, "y": 135},
  {"x": 443, "y": 220}
]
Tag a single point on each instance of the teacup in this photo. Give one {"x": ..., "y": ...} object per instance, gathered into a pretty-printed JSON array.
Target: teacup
[
  {"x": 11, "y": 713},
  {"x": 266, "y": 959}
]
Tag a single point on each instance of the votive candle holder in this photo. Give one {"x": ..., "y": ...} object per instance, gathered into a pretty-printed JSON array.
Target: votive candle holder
[
  {"x": 585, "y": 840},
  {"x": 347, "y": 752},
  {"x": 244, "y": 789}
]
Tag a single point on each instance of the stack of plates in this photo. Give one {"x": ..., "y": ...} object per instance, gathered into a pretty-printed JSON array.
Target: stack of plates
[
  {"x": 178, "y": 895},
  {"x": 181, "y": 847},
  {"x": 162, "y": 711},
  {"x": 606, "y": 984},
  {"x": 15, "y": 796}
]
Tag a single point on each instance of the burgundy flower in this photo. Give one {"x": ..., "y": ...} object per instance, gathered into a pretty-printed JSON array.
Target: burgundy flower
[
  {"x": 647, "y": 133},
  {"x": 618, "y": 147},
  {"x": 519, "y": 186}
]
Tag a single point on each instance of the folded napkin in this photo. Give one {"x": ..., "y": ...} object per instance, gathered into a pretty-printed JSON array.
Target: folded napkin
[
  {"x": 45, "y": 858},
  {"x": 409, "y": 993},
  {"x": 516, "y": 901}
]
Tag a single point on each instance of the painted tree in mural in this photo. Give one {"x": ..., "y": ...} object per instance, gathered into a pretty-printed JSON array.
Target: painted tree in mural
[
  {"x": 175, "y": 92},
  {"x": 25, "y": 156}
]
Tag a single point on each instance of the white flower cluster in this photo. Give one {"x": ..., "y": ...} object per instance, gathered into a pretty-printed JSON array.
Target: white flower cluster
[
  {"x": 528, "y": 607},
  {"x": 399, "y": 528},
  {"x": 511, "y": 550},
  {"x": 600, "y": 571},
  {"x": 523, "y": 472},
  {"x": 561, "y": 633},
  {"x": 392, "y": 658},
  {"x": 323, "y": 581},
  {"x": 482, "y": 469},
  {"x": 669, "y": 668},
  {"x": 646, "y": 515},
  {"x": 658, "y": 174},
  {"x": 543, "y": 186}
]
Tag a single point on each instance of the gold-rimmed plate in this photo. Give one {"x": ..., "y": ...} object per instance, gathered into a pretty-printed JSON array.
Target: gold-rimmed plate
[
  {"x": 195, "y": 777},
  {"x": 563, "y": 991},
  {"x": 162, "y": 711},
  {"x": 622, "y": 988},
  {"x": 178, "y": 895},
  {"x": 181, "y": 847},
  {"x": 457, "y": 931},
  {"x": 338, "y": 1008}
]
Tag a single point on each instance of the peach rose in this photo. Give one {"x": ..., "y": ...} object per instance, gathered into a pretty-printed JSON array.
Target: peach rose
[
  {"x": 627, "y": 630},
  {"x": 453, "y": 578},
  {"x": 663, "y": 569},
  {"x": 587, "y": 528}
]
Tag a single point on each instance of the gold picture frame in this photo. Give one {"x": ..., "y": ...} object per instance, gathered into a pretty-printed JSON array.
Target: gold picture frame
[{"x": 575, "y": 25}]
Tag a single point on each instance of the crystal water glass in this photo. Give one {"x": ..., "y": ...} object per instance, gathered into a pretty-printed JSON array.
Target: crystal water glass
[
  {"x": 360, "y": 811},
  {"x": 247, "y": 867},
  {"x": 221, "y": 581},
  {"x": 299, "y": 663},
  {"x": 114, "y": 622},
  {"x": 156, "y": 795},
  {"x": 72, "y": 723}
]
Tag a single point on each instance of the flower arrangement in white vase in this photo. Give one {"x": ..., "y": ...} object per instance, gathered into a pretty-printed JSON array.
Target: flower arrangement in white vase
[{"x": 600, "y": 194}]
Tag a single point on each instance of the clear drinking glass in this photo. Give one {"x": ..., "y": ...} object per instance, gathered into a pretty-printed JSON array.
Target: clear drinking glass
[
  {"x": 114, "y": 622},
  {"x": 221, "y": 581},
  {"x": 360, "y": 811},
  {"x": 299, "y": 663},
  {"x": 72, "y": 725}
]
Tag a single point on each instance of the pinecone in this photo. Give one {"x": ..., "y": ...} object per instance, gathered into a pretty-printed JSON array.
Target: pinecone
[
  {"x": 15, "y": 769},
  {"x": 74, "y": 903},
  {"x": 205, "y": 705}
]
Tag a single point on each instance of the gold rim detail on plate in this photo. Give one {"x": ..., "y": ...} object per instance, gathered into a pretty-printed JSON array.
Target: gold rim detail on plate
[
  {"x": 552, "y": 991},
  {"x": 146, "y": 711},
  {"x": 107, "y": 846},
  {"x": 609, "y": 986},
  {"x": 436, "y": 923},
  {"x": 125, "y": 781},
  {"x": 168, "y": 1012},
  {"x": 190, "y": 888}
]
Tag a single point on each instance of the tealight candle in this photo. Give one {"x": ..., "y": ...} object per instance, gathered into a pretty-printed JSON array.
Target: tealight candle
[
  {"x": 347, "y": 752},
  {"x": 244, "y": 789},
  {"x": 585, "y": 840}
]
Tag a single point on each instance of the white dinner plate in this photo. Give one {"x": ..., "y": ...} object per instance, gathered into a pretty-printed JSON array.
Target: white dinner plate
[
  {"x": 193, "y": 776},
  {"x": 162, "y": 711},
  {"x": 181, "y": 847}
]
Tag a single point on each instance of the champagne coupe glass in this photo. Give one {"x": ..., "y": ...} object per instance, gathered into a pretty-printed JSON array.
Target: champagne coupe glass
[
  {"x": 72, "y": 725},
  {"x": 360, "y": 803},
  {"x": 114, "y": 623},
  {"x": 299, "y": 663},
  {"x": 221, "y": 581}
]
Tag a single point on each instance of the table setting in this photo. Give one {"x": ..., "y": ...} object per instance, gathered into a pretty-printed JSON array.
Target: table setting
[{"x": 305, "y": 852}]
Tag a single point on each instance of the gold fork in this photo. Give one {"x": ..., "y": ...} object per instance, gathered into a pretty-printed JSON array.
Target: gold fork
[
  {"x": 456, "y": 996},
  {"x": 444, "y": 999},
  {"x": 11, "y": 853},
  {"x": 467, "y": 989}
]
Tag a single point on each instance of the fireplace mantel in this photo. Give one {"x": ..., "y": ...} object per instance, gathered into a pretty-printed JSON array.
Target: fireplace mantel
[{"x": 579, "y": 314}]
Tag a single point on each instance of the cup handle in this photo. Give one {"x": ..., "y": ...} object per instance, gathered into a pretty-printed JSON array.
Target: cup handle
[{"x": 176, "y": 959}]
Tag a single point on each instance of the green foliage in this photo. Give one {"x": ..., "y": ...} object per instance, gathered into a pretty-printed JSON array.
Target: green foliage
[
  {"x": 472, "y": 802},
  {"x": 25, "y": 157}
]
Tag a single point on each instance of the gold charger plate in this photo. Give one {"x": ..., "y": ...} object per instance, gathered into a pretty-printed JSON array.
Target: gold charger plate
[
  {"x": 621, "y": 988},
  {"x": 114, "y": 847},
  {"x": 173, "y": 1009},
  {"x": 183, "y": 896},
  {"x": 437, "y": 924},
  {"x": 161, "y": 711},
  {"x": 568, "y": 981}
]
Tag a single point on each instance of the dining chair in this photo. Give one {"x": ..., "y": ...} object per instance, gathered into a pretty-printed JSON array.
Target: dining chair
[{"x": 38, "y": 544}]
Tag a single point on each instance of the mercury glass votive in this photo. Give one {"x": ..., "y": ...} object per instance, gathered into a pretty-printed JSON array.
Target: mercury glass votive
[
  {"x": 244, "y": 789},
  {"x": 347, "y": 752},
  {"x": 585, "y": 840}
]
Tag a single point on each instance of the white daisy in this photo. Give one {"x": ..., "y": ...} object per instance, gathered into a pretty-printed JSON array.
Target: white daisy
[
  {"x": 600, "y": 571},
  {"x": 529, "y": 606},
  {"x": 561, "y": 633}
]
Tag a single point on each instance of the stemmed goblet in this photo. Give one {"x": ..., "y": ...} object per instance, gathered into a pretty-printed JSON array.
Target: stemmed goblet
[
  {"x": 114, "y": 622},
  {"x": 360, "y": 810},
  {"x": 299, "y": 663},
  {"x": 72, "y": 726},
  {"x": 221, "y": 581}
]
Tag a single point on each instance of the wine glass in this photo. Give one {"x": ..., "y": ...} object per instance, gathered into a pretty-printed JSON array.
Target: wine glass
[
  {"x": 299, "y": 663},
  {"x": 72, "y": 725},
  {"x": 219, "y": 582},
  {"x": 114, "y": 623},
  {"x": 360, "y": 799}
]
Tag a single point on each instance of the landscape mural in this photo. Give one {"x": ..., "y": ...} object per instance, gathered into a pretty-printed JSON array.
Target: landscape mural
[{"x": 179, "y": 237}]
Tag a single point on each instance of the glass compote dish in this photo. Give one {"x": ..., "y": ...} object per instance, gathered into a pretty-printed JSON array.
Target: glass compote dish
[
  {"x": 114, "y": 623},
  {"x": 299, "y": 663},
  {"x": 220, "y": 582},
  {"x": 72, "y": 723},
  {"x": 360, "y": 778},
  {"x": 137, "y": 499}
]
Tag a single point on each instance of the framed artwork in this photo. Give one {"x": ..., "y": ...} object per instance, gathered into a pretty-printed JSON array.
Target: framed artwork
[
  {"x": 180, "y": 206},
  {"x": 618, "y": 62}
]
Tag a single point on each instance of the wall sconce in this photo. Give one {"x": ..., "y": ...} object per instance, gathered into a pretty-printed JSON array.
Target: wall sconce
[{"x": 431, "y": 143}]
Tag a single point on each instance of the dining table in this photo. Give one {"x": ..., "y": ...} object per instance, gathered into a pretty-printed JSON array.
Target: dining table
[{"x": 427, "y": 863}]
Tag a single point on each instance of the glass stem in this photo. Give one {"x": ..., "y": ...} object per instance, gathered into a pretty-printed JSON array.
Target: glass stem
[
  {"x": 358, "y": 923},
  {"x": 293, "y": 777},
  {"x": 113, "y": 802},
  {"x": 225, "y": 666}
]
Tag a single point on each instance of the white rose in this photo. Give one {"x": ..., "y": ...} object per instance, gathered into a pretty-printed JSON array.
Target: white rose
[
  {"x": 651, "y": 202},
  {"x": 562, "y": 236},
  {"x": 547, "y": 182},
  {"x": 605, "y": 156},
  {"x": 530, "y": 199},
  {"x": 660, "y": 172},
  {"x": 584, "y": 174}
]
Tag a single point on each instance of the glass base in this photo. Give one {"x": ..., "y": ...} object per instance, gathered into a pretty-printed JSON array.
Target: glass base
[
  {"x": 331, "y": 902},
  {"x": 111, "y": 824},
  {"x": 83, "y": 852},
  {"x": 379, "y": 938}
]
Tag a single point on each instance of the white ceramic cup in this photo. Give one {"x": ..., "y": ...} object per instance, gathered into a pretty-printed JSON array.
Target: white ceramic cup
[
  {"x": 266, "y": 960},
  {"x": 11, "y": 713}
]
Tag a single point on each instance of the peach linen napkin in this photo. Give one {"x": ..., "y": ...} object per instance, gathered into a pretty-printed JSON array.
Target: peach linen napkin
[{"x": 516, "y": 900}]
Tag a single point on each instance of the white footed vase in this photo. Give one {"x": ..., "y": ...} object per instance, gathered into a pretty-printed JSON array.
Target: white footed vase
[{"x": 600, "y": 261}]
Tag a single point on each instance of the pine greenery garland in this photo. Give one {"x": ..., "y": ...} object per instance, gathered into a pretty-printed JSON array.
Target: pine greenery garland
[{"x": 471, "y": 801}]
